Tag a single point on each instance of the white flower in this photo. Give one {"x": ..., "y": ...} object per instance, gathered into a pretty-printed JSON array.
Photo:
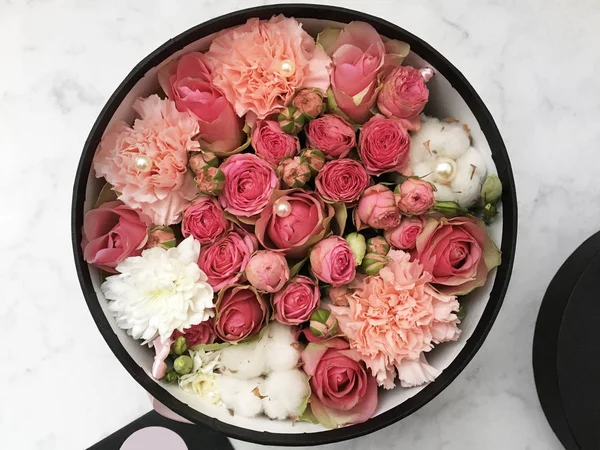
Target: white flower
[
  {"x": 202, "y": 380},
  {"x": 441, "y": 153},
  {"x": 160, "y": 291}
]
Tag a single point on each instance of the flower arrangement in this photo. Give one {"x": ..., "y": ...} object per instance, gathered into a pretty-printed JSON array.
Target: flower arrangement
[{"x": 286, "y": 228}]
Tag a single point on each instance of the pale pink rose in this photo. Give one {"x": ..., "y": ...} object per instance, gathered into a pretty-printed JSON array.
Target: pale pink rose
[
  {"x": 376, "y": 209},
  {"x": 162, "y": 136},
  {"x": 415, "y": 197},
  {"x": 458, "y": 252},
  {"x": 392, "y": 336},
  {"x": 332, "y": 135},
  {"x": 249, "y": 183},
  {"x": 404, "y": 236},
  {"x": 342, "y": 180},
  {"x": 272, "y": 144},
  {"x": 332, "y": 261},
  {"x": 267, "y": 271},
  {"x": 240, "y": 313},
  {"x": 248, "y": 64},
  {"x": 403, "y": 95},
  {"x": 205, "y": 220},
  {"x": 295, "y": 303},
  {"x": 343, "y": 391},
  {"x": 188, "y": 82},
  {"x": 225, "y": 260},
  {"x": 111, "y": 233},
  {"x": 384, "y": 145}
]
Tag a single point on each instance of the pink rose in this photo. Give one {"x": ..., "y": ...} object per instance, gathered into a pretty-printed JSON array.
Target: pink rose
[
  {"x": 210, "y": 180},
  {"x": 261, "y": 65},
  {"x": 272, "y": 144},
  {"x": 332, "y": 261},
  {"x": 295, "y": 303},
  {"x": 202, "y": 333},
  {"x": 249, "y": 183},
  {"x": 342, "y": 180},
  {"x": 309, "y": 102},
  {"x": 404, "y": 236},
  {"x": 339, "y": 295},
  {"x": 204, "y": 220},
  {"x": 241, "y": 312},
  {"x": 332, "y": 135},
  {"x": 293, "y": 234},
  {"x": 458, "y": 252},
  {"x": 267, "y": 271},
  {"x": 404, "y": 95},
  {"x": 111, "y": 233},
  {"x": 199, "y": 160},
  {"x": 383, "y": 145},
  {"x": 377, "y": 209},
  {"x": 415, "y": 197},
  {"x": 343, "y": 392},
  {"x": 188, "y": 82},
  {"x": 225, "y": 260}
]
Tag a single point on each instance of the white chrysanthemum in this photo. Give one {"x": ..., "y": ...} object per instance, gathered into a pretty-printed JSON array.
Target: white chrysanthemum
[
  {"x": 160, "y": 291},
  {"x": 441, "y": 153},
  {"x": 202, "y": 380},
  {"x": 285, "y": 394}
]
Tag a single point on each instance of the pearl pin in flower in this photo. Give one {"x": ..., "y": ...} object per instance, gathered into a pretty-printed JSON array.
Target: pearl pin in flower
[
  {"x": 143, "y": 163},
  {"x": 282, "y": 208},
  {"x": 287, "y": 68},
  {"x": 445, "y": 170}
]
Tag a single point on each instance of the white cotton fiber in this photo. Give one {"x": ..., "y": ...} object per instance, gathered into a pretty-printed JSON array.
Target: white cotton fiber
[
  {"x": 241, "y": 396},
  {"x": 285, "y": 393},
  {"x": 280, "y": 349},
  {"x": 469, "y": 177},
  {"x": 243, "y": 360}
]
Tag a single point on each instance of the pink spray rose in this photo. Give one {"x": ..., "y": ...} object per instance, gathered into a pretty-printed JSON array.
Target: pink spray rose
[
  {"x": 294, "y": 172},
  {"x": 404, "y": 236},
  {"x": 202, "y": 333},
  {"x": 147, "y": 163},
  {"x": 293, "y": 234},
  {"x": 113, "y": 232},
  {"x": 403, "y": 95},
  {"x": 377, "y": 209},
  {"x": 332, "y": 261},
  {"x": 272, "y": 144},
  {"x": 267, "y": 271},
  {"x": 295, "y": 303},
  {"x": 414, "y": 197},
  {"x": 210, "y": 180},
  {"x": 343, "y": 391},
  {"x": 260, "y": 65},
  {"x": 240, "y": 313},
  {"x": 309, "y": 102},
  {"x": 332, "y": 135},
  {"x": 188, "y": 82},
  {"x": 225, "y": 260},
  {"x": 204, "y": 220},
  {"x": 249, "y": 183},
  {"x": 458, "y": 252},
  {"x": 384, "y": 145},
  {"x": 342, "y": 180}
]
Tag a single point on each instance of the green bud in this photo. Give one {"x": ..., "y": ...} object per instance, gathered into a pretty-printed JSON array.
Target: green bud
[
  {"x": 461, "y": 313},
  {"x": 323, "y": 324},
  {"x": 179, "y": 346},
  {"x": 183, "y": 365},
  {"x": 449, "y": 208},
  {"x": 315, "y": 159},
  {"x": 373, "y": 263},
  {"x": 491, "y": 191},
  {"x": 489, "y": 211},
  {"x": 358, "y": 245},
  {"x": 171, "y": 377},
  {"x": 291, "y": 120},
  {"x": 378, "y": 245}
]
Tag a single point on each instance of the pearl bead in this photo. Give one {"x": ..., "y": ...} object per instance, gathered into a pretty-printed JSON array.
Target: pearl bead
[
  {"x": 287, "y": 68},
  {"x": 143, "y": 163},
  {"x": 282, "y": 208},
  {"x": 445, "y": 170}
]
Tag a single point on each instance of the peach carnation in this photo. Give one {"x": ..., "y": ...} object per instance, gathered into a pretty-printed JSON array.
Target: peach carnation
[
  {"x": 248, "y": 64},
  {"x": 394, "y": 317},
  {"x": 161, "y": 136}
]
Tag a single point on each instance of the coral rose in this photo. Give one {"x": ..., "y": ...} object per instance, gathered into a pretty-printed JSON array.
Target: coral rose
[
  {"x": 332, "y": 261},
  {"x": 384, "y": 145},
  {"x": 342, "y": 180},
  {"x": 377, "y": 209},
  {"x": 240, "y": 313},
  {"x": 332, "y": 135},
  {"x": 204, "y": 219},
  {"x": 272, "y": 144},
  {"x": 295, "y": 303}
]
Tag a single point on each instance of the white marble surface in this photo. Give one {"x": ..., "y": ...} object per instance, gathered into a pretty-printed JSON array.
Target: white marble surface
[{"x": 535, "y": 63}]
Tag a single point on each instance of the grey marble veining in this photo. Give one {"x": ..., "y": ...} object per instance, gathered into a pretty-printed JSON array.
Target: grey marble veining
[{"x": 535, "y": 63}]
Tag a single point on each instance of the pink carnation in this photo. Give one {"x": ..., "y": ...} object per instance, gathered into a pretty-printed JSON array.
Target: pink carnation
[
  {"x": 396, "y": 316},
  {"x": 163, "y": 136}
]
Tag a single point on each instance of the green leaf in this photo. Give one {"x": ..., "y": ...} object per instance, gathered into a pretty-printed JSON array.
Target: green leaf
[
  {"x": 308, "y": 416},
  {"x": 327, "y": 38},
  {"x": 297, "y": 267},
  {"x": 107, "y": 194},
  {"x": 450, "y": 208},
  {"x": 341, "y": 216},
  {"x": 461, "y": 313},
  {"x": 210, "y": 347}
]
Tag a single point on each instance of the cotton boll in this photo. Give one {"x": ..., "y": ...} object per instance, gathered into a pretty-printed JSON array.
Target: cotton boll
[
  {"x": 452, "y": 140},
  {"x": 285, "y": 393},
  {"x": 444, "y": 193},
  {"x": 471, "y": 170},
  {"x": 243, "y": 360},
  {"x": 280, "y": 349},
  {"x": 424, "y": 171},
  {"x": 240, "y": 396}
]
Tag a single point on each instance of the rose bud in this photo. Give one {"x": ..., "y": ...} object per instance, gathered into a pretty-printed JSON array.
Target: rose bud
[
  {"x": 323, "y": 323},
  {"x": 291, "y": 120},
  {"x": 332, "y": 135},
  {"x": 183, "y": 365},
  {"x": 342, "y": 180},
  {"x": 491, "y": 191},
  {"x": 163, "y": 237},
  {"x": 405, "y": 235},
  {"x": 267, "y": 271},
  {"x": 358, "y": 245},
  {"x": 199, "y": 160},
  {"x": 373, "y": 263},
  {"x": 210, "y": 180},
  {"x": 384, "y": 145},
  {"x": 332, "y": 261},
  {"x": 339, "y": 295},
  {"x": 450, "y": 208},
  {"x": 414, "y": 197},
  {"x": 171, "y": 377},
  {"x": 273, "y": 144},
  {"x": 309, "y": 102},
  {"x": 295, "y": 303},
  {"x": 378, "y": 245},
  {"x": 489, "y": 211},
  {"x": 377, "y": 209},
  {"x": 241, "y": 312},
  {"x": 315, "y": 159},
  {"x": 294, "y": 172},
  {"x": 179, "y": 346}
]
